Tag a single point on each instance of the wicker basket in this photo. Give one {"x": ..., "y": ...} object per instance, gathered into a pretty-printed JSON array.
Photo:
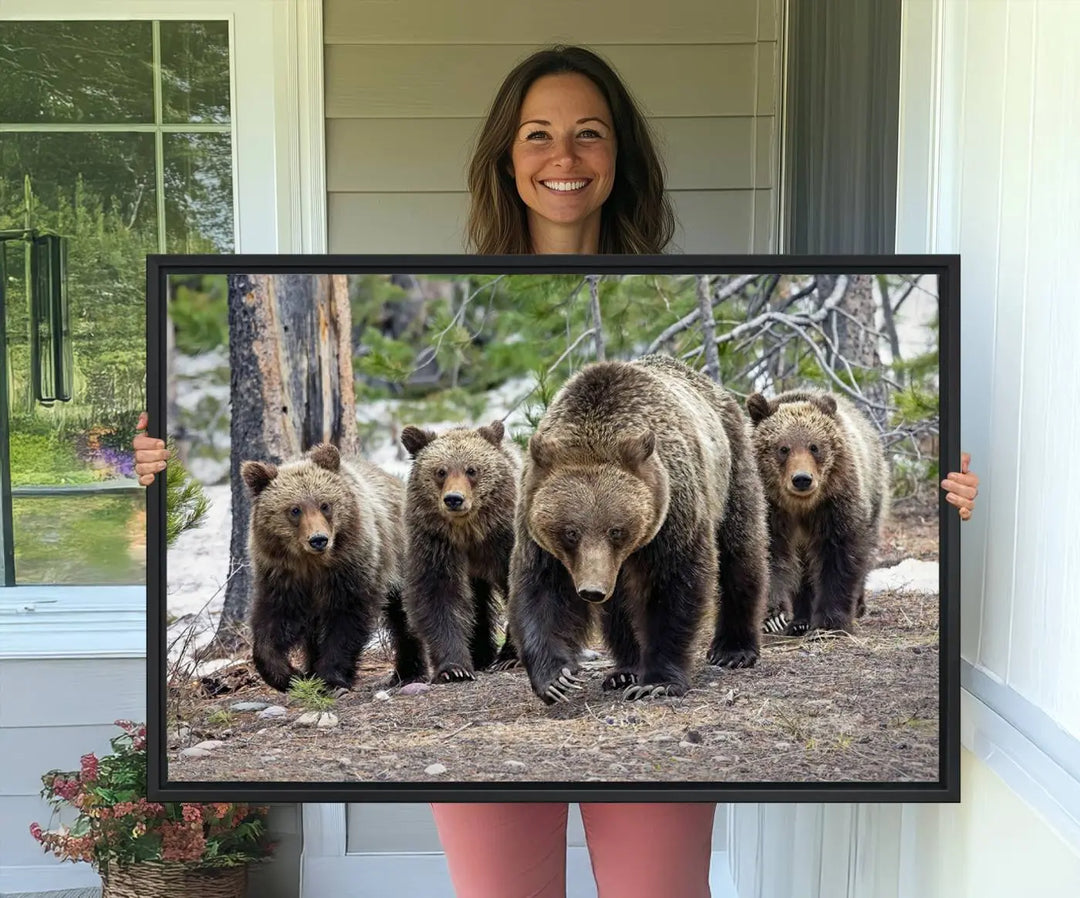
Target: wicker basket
[{"x": 155, "y": 879}]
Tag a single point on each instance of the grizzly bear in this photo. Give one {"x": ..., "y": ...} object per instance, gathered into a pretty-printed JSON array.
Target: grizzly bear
[
  {"x": 325, "y": 542},
  {"x": 827, "y": 484},
  {"x": 459, "y": 527},
  {"x": 641, "y": 505}
]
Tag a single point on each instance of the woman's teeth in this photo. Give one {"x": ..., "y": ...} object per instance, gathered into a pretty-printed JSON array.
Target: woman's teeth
[{"x": 564, "y": 186}]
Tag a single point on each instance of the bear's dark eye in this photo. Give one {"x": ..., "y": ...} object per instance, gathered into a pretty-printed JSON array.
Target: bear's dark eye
[
  {"x": 470, "y": 472},
  {"x": 441, "y": 473},
  {"x": 814, "y": 448},
  {"x": 294, "y": 511},
  {"x": 784, "y": 450},
  {"x": 571, "y": 537},
  {"x": 325, "y": 508},
  {"x": 616, "y": 534}
]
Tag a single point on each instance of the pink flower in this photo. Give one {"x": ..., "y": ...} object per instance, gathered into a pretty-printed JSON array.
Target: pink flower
[
  {"x": 89, "y": 768},
  {"x": 192, "y": 813},
  {"x": 35, "y": 831}
]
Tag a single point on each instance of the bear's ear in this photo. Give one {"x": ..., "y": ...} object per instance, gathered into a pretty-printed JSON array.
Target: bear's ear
[
  {"x": 758, "y": 407},
  {"x": 635, "y": 449},
  {"x": 326, "y": 455},
  {"x": 414, "y": 439},
  {"x": 257, "y": 475},
  {"x": 493, "y": 432},
  {"x": 827, "y": 403},
  {"x": 542, "y": 449}
]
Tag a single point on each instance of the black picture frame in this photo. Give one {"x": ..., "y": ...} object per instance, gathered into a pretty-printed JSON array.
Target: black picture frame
[{"x": 945, "y": 789}]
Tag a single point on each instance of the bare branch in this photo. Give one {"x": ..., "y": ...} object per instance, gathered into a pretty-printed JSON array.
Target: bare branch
[{"x": 729, "y": 289}]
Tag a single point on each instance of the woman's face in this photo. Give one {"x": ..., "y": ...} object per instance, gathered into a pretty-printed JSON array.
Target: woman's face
[{"x": 563, "y": 154}]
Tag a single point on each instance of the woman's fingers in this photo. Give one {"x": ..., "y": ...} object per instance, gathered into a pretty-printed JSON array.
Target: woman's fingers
[{"x": 961, "y": 484}]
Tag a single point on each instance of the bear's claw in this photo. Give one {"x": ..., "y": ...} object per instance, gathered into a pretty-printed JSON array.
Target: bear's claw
[
  {"x": 559, "y": 691},
  {"x": 733, "y": 657},
  {"x": 620, "y": 679},
  {"x": 775, "y": 623},
  {"x": 455, "y": 673},
  {"x": 508, "y": 664},
  {"x": 653, "y": 690}
]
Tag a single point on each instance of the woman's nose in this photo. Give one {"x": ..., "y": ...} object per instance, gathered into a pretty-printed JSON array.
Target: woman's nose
[{"x": 564, "y": 149}]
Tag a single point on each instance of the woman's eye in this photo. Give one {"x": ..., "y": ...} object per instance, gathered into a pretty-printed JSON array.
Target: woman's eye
[
  {"x": 589, "y": 132},
  {"x": 536, "y": 135}
]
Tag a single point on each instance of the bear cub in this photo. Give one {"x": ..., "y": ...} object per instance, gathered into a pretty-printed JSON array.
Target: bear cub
[
  {"x": 459, "y": 526},
  {"x": 827, "y": 484},
  {"x": 325, "y": 542},
  {"x": 641, "y": 506}
]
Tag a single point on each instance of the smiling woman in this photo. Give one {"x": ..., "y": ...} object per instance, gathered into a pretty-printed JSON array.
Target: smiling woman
[{"x": 565, "y": 163}]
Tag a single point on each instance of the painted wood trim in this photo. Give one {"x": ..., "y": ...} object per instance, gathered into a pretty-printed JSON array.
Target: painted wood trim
[
  {"x": 324, "y": 832},
  {"x": 307, "y": 102}
]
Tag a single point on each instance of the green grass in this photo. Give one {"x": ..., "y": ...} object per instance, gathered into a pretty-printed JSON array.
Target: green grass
[{"x": 79, "y": 539}]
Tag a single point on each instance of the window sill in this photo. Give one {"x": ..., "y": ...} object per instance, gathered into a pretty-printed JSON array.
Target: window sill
[
  {"x": 73, "y": 622},
  {"x": 1038, "y": 760}
]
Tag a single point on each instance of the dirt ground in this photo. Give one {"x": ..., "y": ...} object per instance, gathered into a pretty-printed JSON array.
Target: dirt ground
[{"x": 841, "y": 708}]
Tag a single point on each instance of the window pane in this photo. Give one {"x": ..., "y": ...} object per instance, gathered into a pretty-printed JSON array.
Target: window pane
[
  {"x": 198, "y": 193},
  {"x": 81, "y": 539},
  {"x": 99, "y": 191},
  {"x": 76, "y": 72},
  {"x": 195, "y": 71}
]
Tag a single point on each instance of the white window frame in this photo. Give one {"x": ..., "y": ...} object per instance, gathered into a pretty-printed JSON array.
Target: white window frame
[{"x": 279, "y": 205}]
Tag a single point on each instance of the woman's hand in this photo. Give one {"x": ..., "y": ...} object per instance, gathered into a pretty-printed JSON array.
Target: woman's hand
[
  {"x": 150, "y": 453},
  {"x": 962, "y": 488}
]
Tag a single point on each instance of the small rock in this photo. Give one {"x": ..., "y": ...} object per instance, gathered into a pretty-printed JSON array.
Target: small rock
[
  {"x": 918, "y": 650},
  {"x": 209, "y": 744},
  {"x": 327, "y": 721},
  {"x": 782, "y": 745},
  {"x": 413, "y": 689},
  {"x": 248, "y": 706},
  {"x": 693, "y": 736},
  {"x": 685, "y": 744},
  {"x": 382, "y": 696},
  {"x": 345, "y": 762},
  {"x": 730, "y": 697},
  {"x": 308, "y": 719},
  {"x": 663, "y": 737},
  {"x": 267, "y": 758},
  {"x": 194, "y": 752},
  {"x": 261, "y": 732},
  {"x": 434, "y": 769},
  {"x": 517, "y": 765},
  {"x": 271, "y": 712}
]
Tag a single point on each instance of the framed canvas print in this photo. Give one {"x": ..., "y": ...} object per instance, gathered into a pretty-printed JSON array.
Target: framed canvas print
[{"x": 601, "y": 528}]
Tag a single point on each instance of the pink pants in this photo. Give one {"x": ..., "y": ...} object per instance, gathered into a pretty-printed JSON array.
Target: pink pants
[{"x": 517, "y": 850}]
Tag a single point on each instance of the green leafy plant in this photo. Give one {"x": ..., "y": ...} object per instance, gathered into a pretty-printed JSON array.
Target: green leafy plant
[
  {"x": 310, "y": 694},
  {"x": 185, "y": 500},
  {"x": 116, "y": 825}
]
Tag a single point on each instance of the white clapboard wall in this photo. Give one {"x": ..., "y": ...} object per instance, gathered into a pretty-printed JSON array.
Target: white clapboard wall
[{"x": 988, "y": 168}]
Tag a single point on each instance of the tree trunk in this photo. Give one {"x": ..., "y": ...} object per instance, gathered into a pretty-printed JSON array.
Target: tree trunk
[
  {"x": 708, "y": 328},
  {"x": 290, "y": 354},
  {"x": 594, "y": 310},
  {"x": 857, "y": 344}
]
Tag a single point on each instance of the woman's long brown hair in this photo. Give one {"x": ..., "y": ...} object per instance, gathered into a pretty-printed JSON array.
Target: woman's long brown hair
[{"x": 637, "y": 217}]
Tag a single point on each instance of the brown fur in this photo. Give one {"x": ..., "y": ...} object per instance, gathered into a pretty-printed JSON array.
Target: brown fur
[
  {"x": 459, "y": 559},
  {"x": 641, "y": 505},
  {"x": 824, "y": 536},
  {"x": 325, "y": 543}
]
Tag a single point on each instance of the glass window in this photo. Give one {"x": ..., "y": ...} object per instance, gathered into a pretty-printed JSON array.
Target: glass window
[{"x": 122, "y": 144}]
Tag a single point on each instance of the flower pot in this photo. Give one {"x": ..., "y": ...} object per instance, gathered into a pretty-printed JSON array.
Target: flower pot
[{"x": 173, "y": 880}]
